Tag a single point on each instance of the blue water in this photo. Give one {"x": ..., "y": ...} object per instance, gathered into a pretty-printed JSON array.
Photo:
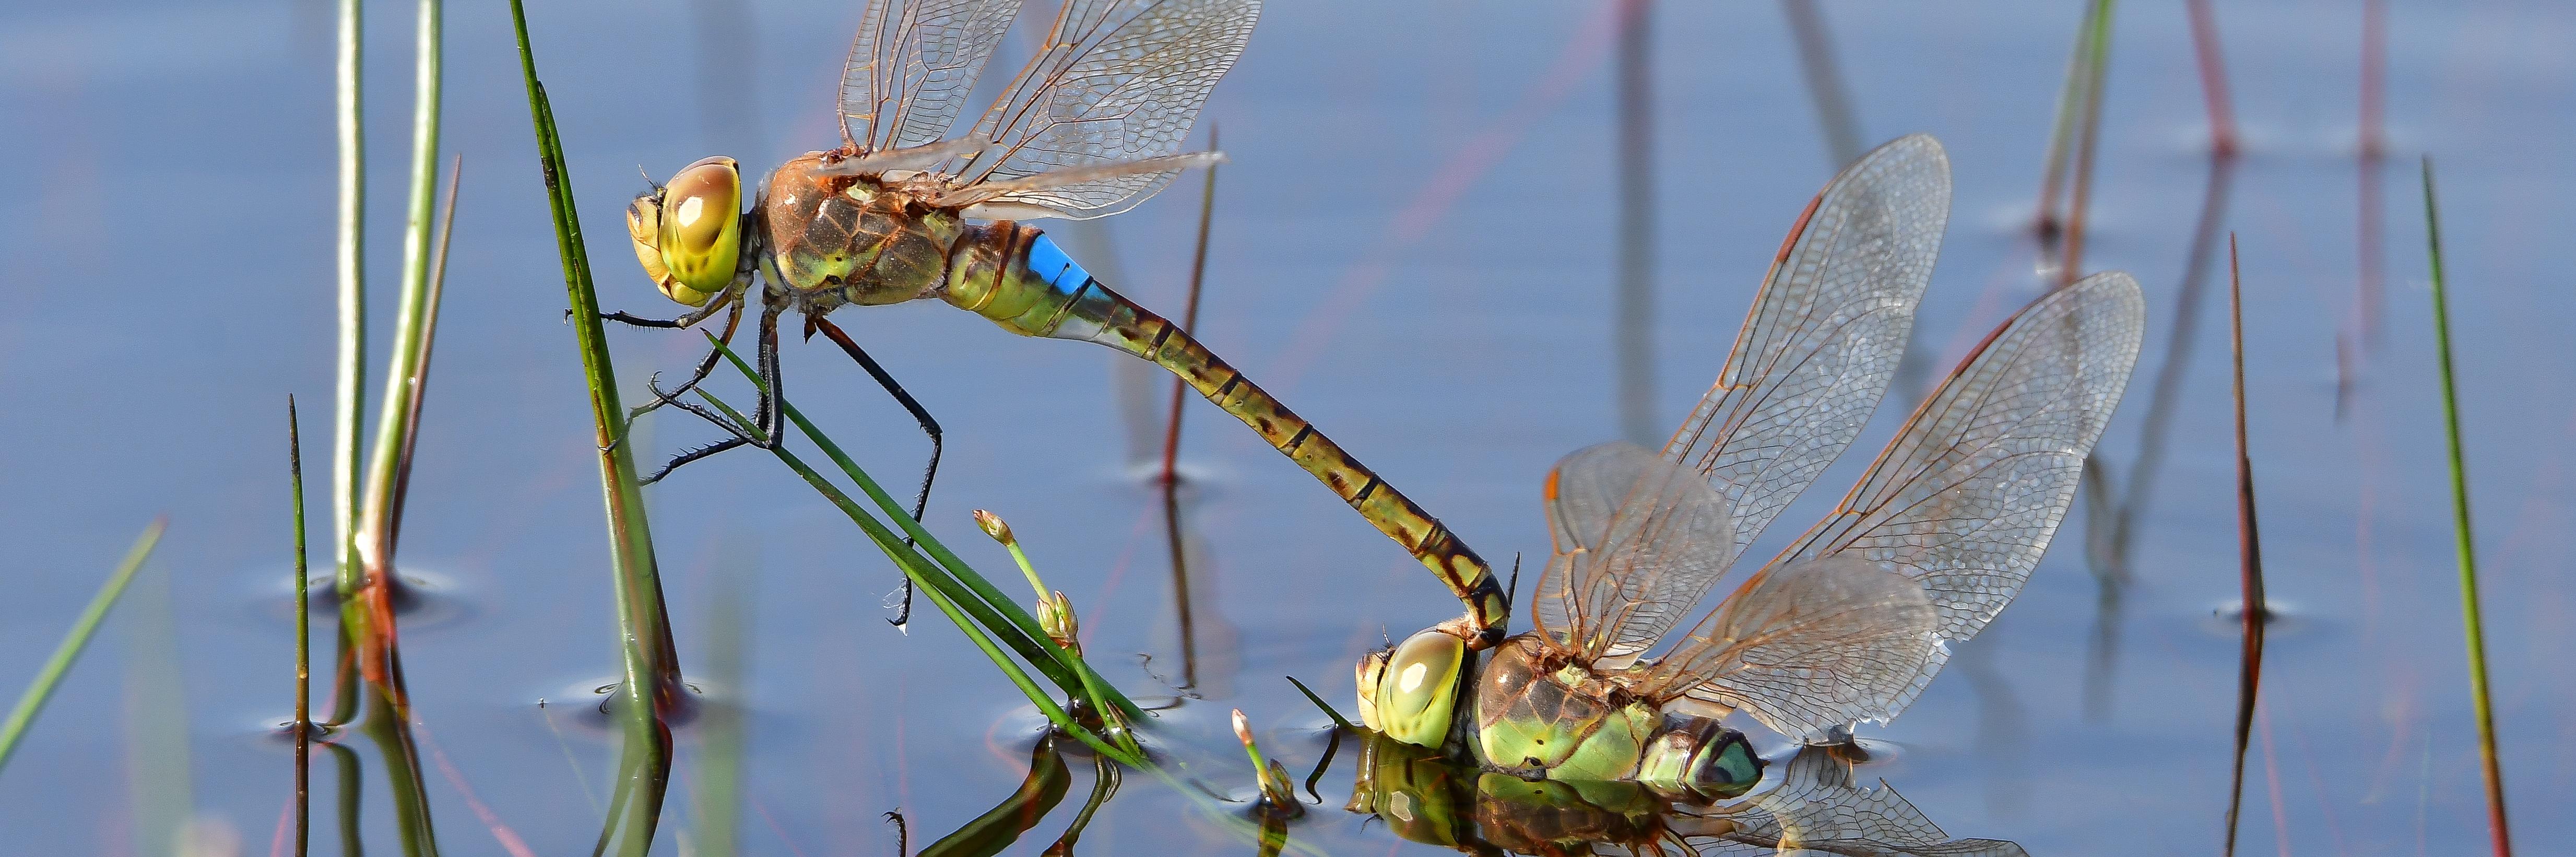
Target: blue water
[{"x": 1412, "y": 246}]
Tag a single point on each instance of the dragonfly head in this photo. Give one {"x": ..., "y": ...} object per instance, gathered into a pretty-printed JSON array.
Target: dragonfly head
[
  {"x": 688, "y": 233},
  {"x": 1409, "y": 691}
]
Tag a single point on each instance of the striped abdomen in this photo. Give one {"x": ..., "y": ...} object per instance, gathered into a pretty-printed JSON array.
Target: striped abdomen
[{"x": 1023, "y": 282}]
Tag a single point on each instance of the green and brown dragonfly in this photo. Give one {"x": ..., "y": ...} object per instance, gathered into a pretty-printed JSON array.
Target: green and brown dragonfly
[
  {"x": 1816, "y": 806},
  {"x": 1851, "y": 621},
  {"x": 911, "y": 207}
]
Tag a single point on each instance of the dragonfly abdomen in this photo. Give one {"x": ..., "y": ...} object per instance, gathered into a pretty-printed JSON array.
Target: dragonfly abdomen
[{"x": 1019, "y": 279}]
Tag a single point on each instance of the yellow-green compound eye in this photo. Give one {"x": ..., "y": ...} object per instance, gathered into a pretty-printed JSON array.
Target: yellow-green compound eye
[
  {"x": 700, "y": 233},
  {"x": 1369, "y": 674},
  {"x": 1420, "y": 688},
  {"x": 644, "y": 226}
]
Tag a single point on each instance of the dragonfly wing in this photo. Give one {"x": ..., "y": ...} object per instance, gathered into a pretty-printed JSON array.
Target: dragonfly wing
[
  {"x": 1819, "y": 809},
  {"x": 913, "y": 64},
  {"x": 1807, "y": 646},
  {"x": 1960, "y": 506},
  {"x": 1638, "y": 539},
  {"x": 1119, "y": 81},
  {"x": 1825, "y": 333}
]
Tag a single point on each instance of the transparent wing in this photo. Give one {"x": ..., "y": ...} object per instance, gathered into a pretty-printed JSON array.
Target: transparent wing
[
  {"x": 913, "y": 64},
  {"x": 1118, "y": 81},
  {"x": 1818, "y": 809},
  {"x": 1825, "y": 333},
  {"x": 1959, "y": 507},
  {"x": 1805, "y": 647},
  {"x": 1638, "y": 539}
]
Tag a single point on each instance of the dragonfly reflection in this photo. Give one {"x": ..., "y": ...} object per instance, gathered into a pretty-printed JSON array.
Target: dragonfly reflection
[{"x": 1816, "y": 806}]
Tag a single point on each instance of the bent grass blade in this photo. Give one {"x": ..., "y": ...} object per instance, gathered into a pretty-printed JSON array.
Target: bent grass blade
[{"x": 42, "y": 688}]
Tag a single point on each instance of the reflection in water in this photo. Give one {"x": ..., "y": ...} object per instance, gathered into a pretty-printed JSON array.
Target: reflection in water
[
  {"x": 1209, "y": 642},
  {"x": 2111, "y": 529},
  {"x": 1632, "y": 335},
  {"x": 1002, "y": 825},
  {"x": 1816, "y": 806},
  {"x": 1835, "y": 118},
  {"x": 1038, "y": 795},
  {"x": 2002, "y": 727},
  {"x": 1131, "y": 381}
]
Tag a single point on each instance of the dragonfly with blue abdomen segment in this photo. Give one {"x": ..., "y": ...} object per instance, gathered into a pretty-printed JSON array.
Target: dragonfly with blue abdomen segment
[
  {"x": 903, "y": 211},
  {"x": 1854, "y": 618}
]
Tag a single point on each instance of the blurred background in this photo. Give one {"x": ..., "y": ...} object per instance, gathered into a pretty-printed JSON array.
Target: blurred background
[{"x": 1417, "y": 244}]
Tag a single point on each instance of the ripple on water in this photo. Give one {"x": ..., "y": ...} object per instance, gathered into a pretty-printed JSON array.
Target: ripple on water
[{"x": 427, "y": 600}]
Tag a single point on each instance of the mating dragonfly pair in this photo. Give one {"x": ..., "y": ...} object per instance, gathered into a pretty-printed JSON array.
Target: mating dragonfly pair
[{"x": 1848, "y": 624}]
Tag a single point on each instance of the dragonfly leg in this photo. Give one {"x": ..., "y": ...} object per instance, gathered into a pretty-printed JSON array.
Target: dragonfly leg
[
  {"x": 769, "y": 419},
  {"x": 730, "y": 297},
  {"x": 706, "y": 366},
  {"x": 691, "y": 455},
  {"x": 929, "y": 426}
]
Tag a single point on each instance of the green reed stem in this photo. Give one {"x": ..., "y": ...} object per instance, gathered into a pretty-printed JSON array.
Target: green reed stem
[
  {"x": 943, "y": 591},
  {"x": 33, "y": 700},
  {"x": 2472, "y": 625},
  {"x": 303, "y": 638},
  {"x": 352, "y": 353},
  {"x": 998, "y": 609},
  {"x": 415, "y": 314},
  {"x": 650, "y": 670}
]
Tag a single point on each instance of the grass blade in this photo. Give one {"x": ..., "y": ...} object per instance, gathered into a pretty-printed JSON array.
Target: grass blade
[
  {"x": 33, "y": 700},
  {"x": 651, "y": 672},
  {"x": 1338, "y": 722},
  {"x": 945, "y": 592},
  {"x": 415, "y": 317},
  {"x": 2472, "y": 627},
  {"x": 352, "y": 353},
  {"x": 351, "y": 356},
  {"x": 2258, "y": 610},
  {"x": 989, "y": 606},
  {"x": 2213, "y": 79},
  {"x": 303, "y": 639}
]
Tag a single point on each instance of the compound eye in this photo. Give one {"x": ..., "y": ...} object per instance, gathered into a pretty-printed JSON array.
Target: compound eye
[
  {"x": 644, "y": 227},
  {"x": 700, "y": 227},
  {"x": 1419, "y": 687},
  {"x": 1730, "y": 771},
  {"x": 1371, "y": 672}
]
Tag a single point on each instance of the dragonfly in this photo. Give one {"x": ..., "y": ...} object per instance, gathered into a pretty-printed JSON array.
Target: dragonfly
[
  {"x": 1815, "y": 807},
  {"x": 912, "y": 207},
  {"x": 1855, "y": 617}
]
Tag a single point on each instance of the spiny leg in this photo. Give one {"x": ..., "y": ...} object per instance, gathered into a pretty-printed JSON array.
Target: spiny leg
[
  {"x": 920, "y": 501},
  {"x": 691, "y": 455},
  {"x": 768, "y": 417},
  {"x": 731, "y": 296},
  {"x": 706, "y": 366}
]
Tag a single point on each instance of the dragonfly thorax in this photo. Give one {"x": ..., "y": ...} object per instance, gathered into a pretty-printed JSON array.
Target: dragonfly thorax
[
  {"x": 838, "y": 239},
  {"x": 1537, "y": 709}
]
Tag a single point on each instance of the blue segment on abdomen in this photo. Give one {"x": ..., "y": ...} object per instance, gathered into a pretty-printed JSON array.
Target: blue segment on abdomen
[{"x": 1049, "y": 262}]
